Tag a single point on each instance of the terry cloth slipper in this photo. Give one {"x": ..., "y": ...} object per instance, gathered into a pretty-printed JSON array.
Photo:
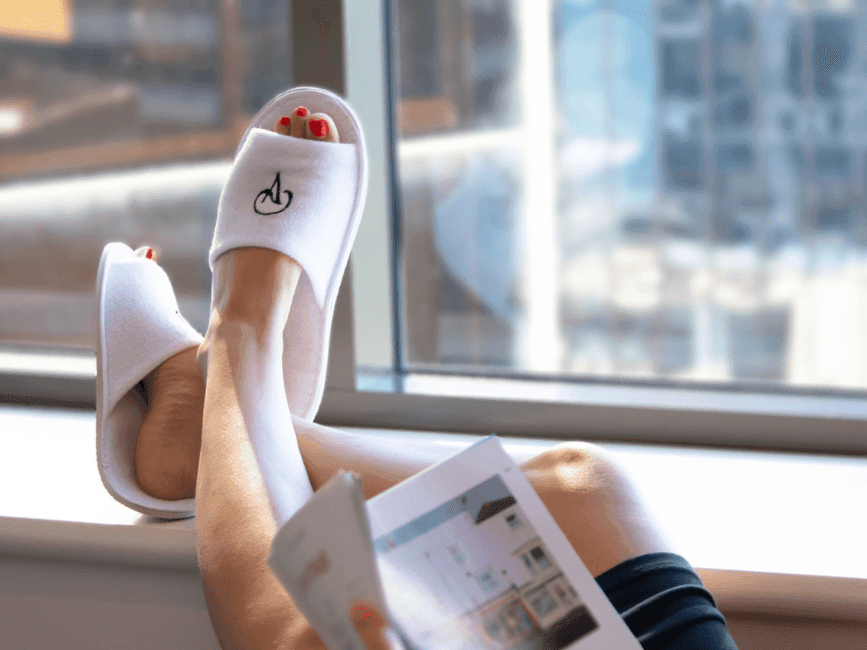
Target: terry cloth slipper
[
  {"x": 138, "y": 327},
  {"x": 303, "y": 198}
]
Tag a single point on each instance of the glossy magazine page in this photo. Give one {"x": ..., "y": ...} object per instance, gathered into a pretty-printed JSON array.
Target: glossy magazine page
[{"x": 471, "y": 559}]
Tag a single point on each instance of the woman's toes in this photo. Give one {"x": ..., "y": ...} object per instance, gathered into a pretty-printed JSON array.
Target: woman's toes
[
  {"x": 321, "y": 127},
  {"x": 299, "y": 122},
  {"x": 292, "y": 125},
  {"x": 281, "y": 126},
  {"x": 148, "y": 252}
]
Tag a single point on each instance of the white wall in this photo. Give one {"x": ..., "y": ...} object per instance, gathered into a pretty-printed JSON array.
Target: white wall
[{"x": 76, "y": 606}]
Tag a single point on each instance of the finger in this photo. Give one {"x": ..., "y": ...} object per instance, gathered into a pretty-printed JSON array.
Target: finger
[{"x": 370, "y": 625}]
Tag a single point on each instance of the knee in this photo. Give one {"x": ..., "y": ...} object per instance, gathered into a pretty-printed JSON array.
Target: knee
[
  {"x": 594, "y": 504},
  {"x": 574, "y": 469}
]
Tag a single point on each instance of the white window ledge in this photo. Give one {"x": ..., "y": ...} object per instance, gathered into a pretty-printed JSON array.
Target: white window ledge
[{"x": 770, "y": 533}]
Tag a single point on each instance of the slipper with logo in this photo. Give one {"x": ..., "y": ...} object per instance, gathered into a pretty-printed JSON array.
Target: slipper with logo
[
  {"x": 303, "y": 198},
  {"x": 138, "y": 326}
]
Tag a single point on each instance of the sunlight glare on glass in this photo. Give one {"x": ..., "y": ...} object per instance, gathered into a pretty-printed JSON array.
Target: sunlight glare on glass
[
  {"x": 587, "y": 276},
  {"x": 737, "y": 269},
  {"x": 540, "y": 343},
  {"x": 584, "y": 156},
  {"x": 23, "y": 362},
  {"x": 639, "y": 278},
  {"x": 77, "y": 194},
  {"x": 11, "y": 120},
  {"x": 38, "y": 20}
]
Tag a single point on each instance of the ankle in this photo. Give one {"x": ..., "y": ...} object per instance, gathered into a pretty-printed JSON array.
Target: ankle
[
  {"x": 255, "y": 287},
  {"x": 234, "y": 332},
  {"x": 256, "y": 310}
]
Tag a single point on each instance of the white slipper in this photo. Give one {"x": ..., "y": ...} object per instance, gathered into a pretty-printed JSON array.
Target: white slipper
[
  {"x": 303, "y": 198},
  {"x": 138, "y": 327}
]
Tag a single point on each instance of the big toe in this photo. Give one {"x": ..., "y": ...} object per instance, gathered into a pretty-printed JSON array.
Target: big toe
[{"x": 321, "y": 127}]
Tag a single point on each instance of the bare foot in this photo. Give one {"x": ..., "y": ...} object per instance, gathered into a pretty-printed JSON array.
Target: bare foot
[
  {"x": 252, "y": 287},
  {"x": 167, "y": 447}
]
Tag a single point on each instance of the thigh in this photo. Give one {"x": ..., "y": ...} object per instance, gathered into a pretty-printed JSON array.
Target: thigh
[
  {"x": 589, "y": 497},
  {"x": 382, "y": 463}
]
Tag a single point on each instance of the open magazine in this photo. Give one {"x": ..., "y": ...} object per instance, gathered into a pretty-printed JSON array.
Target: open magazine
[{"x": 462, "y": 556}]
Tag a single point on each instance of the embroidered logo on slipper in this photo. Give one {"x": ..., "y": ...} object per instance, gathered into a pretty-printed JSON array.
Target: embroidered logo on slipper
[{"x": 270, "y": 201}]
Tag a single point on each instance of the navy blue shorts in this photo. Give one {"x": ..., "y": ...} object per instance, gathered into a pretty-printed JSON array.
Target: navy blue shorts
[{"x": 662, "y": 600}]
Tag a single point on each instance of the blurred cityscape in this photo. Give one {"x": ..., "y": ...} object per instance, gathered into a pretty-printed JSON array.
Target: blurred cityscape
[
  {"x": 710, "y": 193},
  {"x": 709, "y": 157}
]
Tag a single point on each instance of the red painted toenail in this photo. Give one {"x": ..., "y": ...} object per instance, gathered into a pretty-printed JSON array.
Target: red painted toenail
[
  {"x": 319, "y": 128},
  {"x": 150, "y": 254},
  {"x": 301, "y": 112},
  {"x": 285, "y": 121}
]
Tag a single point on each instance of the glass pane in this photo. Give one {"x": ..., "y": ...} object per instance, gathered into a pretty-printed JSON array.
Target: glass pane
[
  {"x": 92, "y": 92},
  {"x": 635, "y": 189}
]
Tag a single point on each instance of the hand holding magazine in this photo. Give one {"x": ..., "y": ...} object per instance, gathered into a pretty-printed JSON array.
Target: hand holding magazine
[
  {"x": 324, "y": 557},
  {"x": 462, "y": 556}
]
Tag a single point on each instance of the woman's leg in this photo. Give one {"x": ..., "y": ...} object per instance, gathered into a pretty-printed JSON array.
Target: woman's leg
[
  {"x": 247, "y": 433},
  {"x": 587, "y": 494},
  {"x": 244, "y": 399}
]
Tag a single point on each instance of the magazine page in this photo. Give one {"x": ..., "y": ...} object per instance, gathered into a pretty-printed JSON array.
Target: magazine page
[
  {"x": 324, "y": 558},
  {"x": 471, "y": 559}
]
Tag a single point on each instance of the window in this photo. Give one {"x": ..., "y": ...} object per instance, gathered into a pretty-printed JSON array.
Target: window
[
  {"x": 487, "y": 581},
  {"x": 115, "y": 122},
  {"x": 471, "y": 195},
  {"x": 645, "y": 214},
  {"x": 514, "y": 521},
  {"x": 543, "y": 603},
  {"x": 614, "y": 199},
  {"x": 539, "y": 555},
  {"x": 493, "y": 629},
  {"x": 562, "y": 594}
]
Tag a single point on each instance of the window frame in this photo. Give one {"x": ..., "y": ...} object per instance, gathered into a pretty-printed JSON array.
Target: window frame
[
  {"x": 743, "y": 416},
  {"x": 367, "y": 311}
]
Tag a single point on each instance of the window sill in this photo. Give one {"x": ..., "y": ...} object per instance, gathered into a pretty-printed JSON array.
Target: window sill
[
  {"x": 782, "y": 538},
  {"x": 735, "y": 416},
  {"x": 739, "y": 416}
]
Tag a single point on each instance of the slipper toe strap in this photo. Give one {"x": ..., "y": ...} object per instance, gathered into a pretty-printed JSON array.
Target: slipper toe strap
[
  {"x": 291, "y": 195},
  {"x": 143, "y": 326}
]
